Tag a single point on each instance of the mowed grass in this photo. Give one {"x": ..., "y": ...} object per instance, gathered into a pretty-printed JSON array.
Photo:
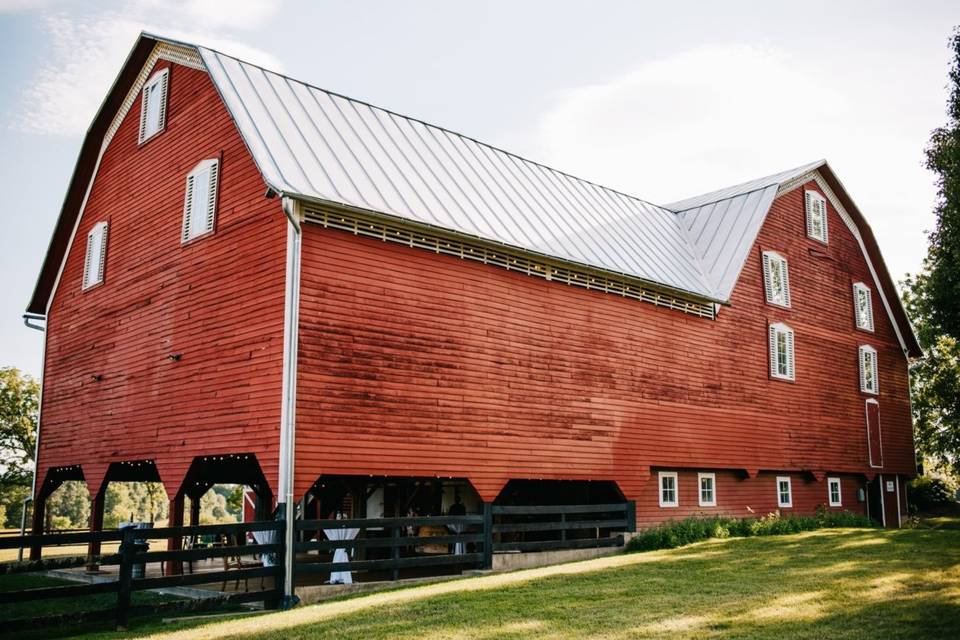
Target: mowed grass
[{"x": 839, "y": 583}]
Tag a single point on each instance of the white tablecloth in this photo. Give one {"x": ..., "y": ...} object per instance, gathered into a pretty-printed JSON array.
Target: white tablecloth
[
  {"x": 266, "y": 537},
  {"x": 340, "y": 555},
  {"x": 458, "y": 547}
]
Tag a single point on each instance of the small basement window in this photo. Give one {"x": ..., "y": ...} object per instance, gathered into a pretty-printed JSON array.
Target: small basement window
[
  {"x": 668, "y": 489},
  {"x": 833, "y": 492},
  {"x": 781, "y": 352},
  {"x": 200, "y": 202},
  {"x": 153, "y": 105},
  {"x": 708, "y": 491},
  {"x": 776, "y": 280},
  {"x": 816, "y": 206},
  {"x": 96, "y": 255},
  {"x": 784, "y": 492},
  {"x": 863, "y": 306},
  {"x": 868, "y": 370}
]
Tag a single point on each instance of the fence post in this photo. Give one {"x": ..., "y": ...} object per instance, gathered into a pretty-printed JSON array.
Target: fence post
[
  {"x": 487, "y": 535},
  {"x": 281, "y": 537},
  {"x": 631, "y": 515},
  {"x": 125, "y": 580},
  {"x": 395, "y": 552},
  {"x": 563, "y": 532}
]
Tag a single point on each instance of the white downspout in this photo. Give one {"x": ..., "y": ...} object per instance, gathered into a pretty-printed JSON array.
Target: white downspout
[{"x": 288, "y": 410}]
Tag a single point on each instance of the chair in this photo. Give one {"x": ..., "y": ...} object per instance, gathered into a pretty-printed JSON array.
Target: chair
[{"x": 237, "y": 562}]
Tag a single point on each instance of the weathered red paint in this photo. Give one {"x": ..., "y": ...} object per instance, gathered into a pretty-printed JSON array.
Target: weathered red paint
[
  {"x": 217, "y": 301},
  {"x": 413, "y": 363}
]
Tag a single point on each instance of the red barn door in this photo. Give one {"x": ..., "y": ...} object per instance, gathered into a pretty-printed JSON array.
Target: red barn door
[{"x": 874, "y": 440}]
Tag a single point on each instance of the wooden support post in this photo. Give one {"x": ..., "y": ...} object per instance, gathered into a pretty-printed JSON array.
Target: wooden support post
[
  {"x": 194, "y": 511},
  {"x": 39, "y": 515},
  {"x": 487, "y": 535},
  {"x": 125, "y": 580},
  {"x": 175, "y": 543},
  {"x": 395, "y": 553},
  {"x": 631, "y": 516},
  {"x": 96, "y": 526},
  {"x": 563, "y": 532}
]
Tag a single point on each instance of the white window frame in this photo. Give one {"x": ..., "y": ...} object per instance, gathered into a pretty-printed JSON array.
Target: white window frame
[
  {"x": 789, "y": 501},
  {"x": 95, "y": 257},
  {"x": 775, "y": 330},
  {"x": 862, "y": 292},
  {"x": 873, "y": 388},
  {"x": 775, "y": 263},
  {"x": 161, "y": 80},
  {"x": 712, "y": 477},
  {"x": 816, "y": 207},
  {"x": 208, "y": 201},
  {"x": 663, "y": 475},
  {"x": 830, "y": 484}
]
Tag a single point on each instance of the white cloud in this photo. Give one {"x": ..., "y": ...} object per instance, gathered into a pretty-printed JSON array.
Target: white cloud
[
  {"x": 88, "y": 52},
  {"x": 717, "y": 115},
  {"x": 17, "y": 6}
]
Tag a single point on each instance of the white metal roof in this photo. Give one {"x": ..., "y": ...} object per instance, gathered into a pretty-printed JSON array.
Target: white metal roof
[{"x": 320, "y": 146}]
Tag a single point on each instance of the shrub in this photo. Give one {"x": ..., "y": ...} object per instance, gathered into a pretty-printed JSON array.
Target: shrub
[
  {"x": 929, "y": 493},
  {"x": 670, "y": 535}
]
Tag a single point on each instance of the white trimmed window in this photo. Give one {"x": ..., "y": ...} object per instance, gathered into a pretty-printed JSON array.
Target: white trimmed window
[
  {"x": 784, "y": 492},
  {"x": 708, "y": 489},
  {"x": 776, "y": 279},
  {"x": 96, "y": 256},
  {"x": 816, "y": 206},
  {"x": 833, "y": 492},
  {"x": 869, "y": 383},
  {"x": 863, "y": 306},
  {"x": 153, "y": 105},
  {"x": 200, "y": 202},
  {"x": 668, "y": 489},
  {"x": 781, "y": 351}
]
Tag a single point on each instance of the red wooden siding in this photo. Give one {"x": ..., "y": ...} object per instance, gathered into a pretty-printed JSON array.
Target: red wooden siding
[
  {"x": 218, "y": 301},
  {"x": 419, "y": 364},
  {"x": 739, "y": 496}
]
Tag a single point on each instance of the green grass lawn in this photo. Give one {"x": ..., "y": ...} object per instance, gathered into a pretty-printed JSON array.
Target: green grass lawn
[{"x": 832, "y": 583}]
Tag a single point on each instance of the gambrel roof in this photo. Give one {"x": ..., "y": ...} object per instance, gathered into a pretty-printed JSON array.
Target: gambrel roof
[{"x": 323, "y": 148}]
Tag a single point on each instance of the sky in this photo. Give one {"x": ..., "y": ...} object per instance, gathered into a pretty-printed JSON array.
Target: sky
[{"x": 662, "y": 100}]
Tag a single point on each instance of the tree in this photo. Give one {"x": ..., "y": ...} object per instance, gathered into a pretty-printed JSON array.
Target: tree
[
  {"x": 943, "y": 259},
  {"x": 19, "y": 406},
  {"x": 932, "y": 297}
]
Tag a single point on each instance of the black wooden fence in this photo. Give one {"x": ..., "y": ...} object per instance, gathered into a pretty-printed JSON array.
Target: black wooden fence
[
  {"x": 379, "y": 545},
  {"x": 394, "y": 539},
  {"x": 553, "y": 527},
  {"x": 132, "y": 554}
]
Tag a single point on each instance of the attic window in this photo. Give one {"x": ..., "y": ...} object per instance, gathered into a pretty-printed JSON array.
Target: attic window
[
  {"x": 153, "y": 108},
  {"x": 868, "y": 370},
  {"x": 816, "y": 206},
  {"x": 862, "y": 306},
  {"x": 776, "y": 280},
  {"x": 96, "y": 255},
  {"x": 781, "y": 352}
]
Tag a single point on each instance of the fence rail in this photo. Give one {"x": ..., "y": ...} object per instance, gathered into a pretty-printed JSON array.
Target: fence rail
[
  {"x": 395, "y": 541},
  {"x": 131, "y": 555}
]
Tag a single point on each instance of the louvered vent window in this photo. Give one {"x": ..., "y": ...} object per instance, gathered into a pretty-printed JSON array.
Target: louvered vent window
[
  {"x": 776, "y": 279},
  {"x": 200, "y": 202},
  {"x": 863, "y": 306},
  {"x": 869, "y": 382},
  {"x": 781, "y": 352},
  {"x": 96, "y": 255},
  {"x": 153, "y": 107},
  {"x": 816, "y": 216}
]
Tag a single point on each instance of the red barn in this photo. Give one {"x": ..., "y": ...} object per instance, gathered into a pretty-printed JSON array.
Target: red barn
[{"x": 256, "y": 281}]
